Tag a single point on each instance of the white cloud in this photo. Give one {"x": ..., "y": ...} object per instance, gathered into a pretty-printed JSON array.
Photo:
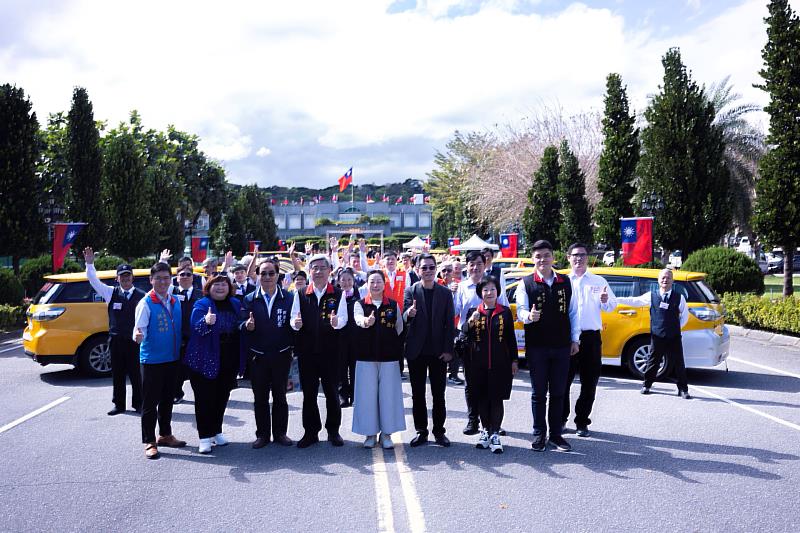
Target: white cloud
[
  {"x": 348, "y": 73},
  {"x": 263, "y": 151}
]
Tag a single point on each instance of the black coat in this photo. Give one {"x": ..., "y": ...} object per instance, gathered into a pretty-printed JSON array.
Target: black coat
[
  {"x": 441, "y": 328},
  {"x": 493, "y": 347}
]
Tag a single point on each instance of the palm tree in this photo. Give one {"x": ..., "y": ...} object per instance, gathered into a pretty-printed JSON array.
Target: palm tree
[{"x": 744, "y": 146}]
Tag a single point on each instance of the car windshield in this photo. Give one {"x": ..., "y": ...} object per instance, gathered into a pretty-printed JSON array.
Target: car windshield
[
  {"x": 46, "y": 293},
  {"x": 707, "y": 291}
]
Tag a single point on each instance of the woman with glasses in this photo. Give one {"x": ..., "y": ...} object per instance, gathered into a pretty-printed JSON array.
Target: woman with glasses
[
  {"x": 378, "y": 402},
  {"x": 214, "y": 357},
  {"x": 348, "y": 346}
]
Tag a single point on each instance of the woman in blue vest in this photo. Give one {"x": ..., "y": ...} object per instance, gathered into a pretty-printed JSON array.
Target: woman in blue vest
[
  {"x": 378, "y": 399},
  {"x": 214, "y": 357}
]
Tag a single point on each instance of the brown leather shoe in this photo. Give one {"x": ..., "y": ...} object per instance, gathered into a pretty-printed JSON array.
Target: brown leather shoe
[
  {"x": 170, "y": 442},
  {"x": 150, "y": 450},
  {"x": 283, "y": 440},
  {"x": 259, "y": 443}
]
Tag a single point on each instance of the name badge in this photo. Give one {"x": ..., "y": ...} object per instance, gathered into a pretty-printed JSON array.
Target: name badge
[
  {"x": 663, "y": 305},
  {"x": 180, "y": 297},
  {"x": 117, "y": 306}
]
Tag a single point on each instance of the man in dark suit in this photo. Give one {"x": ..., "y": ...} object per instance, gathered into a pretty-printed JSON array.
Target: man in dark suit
[
  {"x": 429, "y": 347},
  {"x": 241, "y": 281},
  {"x": 187, "y": 294}
]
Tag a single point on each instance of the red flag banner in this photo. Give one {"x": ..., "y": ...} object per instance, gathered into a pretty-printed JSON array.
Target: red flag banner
[
  {"x": 251, "y": 246},
  {"x": 199, "y": 249},
  {"x": 637, "y": 240},
  {"x": 64, "y": 234},
  {"x": 508, "y": 245},
  {"x": 346, "y": 180},
  {"x": 453, "y": 241}
]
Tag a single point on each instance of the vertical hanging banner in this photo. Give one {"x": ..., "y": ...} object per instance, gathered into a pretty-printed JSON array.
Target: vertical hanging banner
[
  {"x": 64, "y": 234},
  {"x": 199, "y": 249},
  {"x": 508, "y": 245},
  {"x": 251, "y": 246},
  {"x": 637, "y": 240}
]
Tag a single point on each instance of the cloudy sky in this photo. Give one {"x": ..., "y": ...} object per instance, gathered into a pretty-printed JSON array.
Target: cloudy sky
[{"x": 296, "y": 92}]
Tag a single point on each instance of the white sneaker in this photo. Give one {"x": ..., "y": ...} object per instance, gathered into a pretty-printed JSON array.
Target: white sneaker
[
  {"x": 370, "y": 441},
  {"x": 205, "y": 445},
  {"x": 220, "y": 440},
  {"x": 483, "y": 440},
  {"x": 494, "y": 444},
  {"x": 386, "y": 441}
]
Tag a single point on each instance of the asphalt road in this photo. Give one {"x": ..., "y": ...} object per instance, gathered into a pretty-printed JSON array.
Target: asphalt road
[{"x": 726, "y": 461}]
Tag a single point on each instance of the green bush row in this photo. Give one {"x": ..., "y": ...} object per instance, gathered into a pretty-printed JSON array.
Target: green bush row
[
  {"x": 12, "y": 316},
  {"x": 781, "y": 315}
]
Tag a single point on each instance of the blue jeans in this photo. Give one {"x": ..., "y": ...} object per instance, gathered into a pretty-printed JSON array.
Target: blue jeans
[{"x": 549, "y": 368}]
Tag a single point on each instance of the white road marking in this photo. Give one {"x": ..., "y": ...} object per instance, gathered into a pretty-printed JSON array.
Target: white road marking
[
  {"x": 416, "y": 519},
  {"x": 37, "y": 412},
  {"x": 15, "y": 347},
  {"x": 764, "y": 367},
  {"x": 747, "y": 408},
  {"x": 382, "y": 493}
]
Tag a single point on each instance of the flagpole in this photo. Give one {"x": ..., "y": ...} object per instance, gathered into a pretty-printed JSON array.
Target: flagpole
[{"x": 352, "y": 193}]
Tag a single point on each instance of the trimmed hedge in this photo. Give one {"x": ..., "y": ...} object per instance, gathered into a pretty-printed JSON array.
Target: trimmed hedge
[
  {"x": 726, "y": 270},
  {"x": 12, "y": 316},
  {"x": 142, "y": 262},
  {"x": 781, "y": 315},
  {"x": 108, "y": 262},
  {"x": 11, "y": 291},
  {"x": 32, "y": 273},
  {"x": 652, "y": 264}
]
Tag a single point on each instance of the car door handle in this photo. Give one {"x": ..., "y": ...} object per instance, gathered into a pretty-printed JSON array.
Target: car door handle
[{"x": 628, "y": 312}]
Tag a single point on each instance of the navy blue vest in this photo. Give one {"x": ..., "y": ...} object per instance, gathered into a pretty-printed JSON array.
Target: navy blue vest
[
  {"x": 122, "y": 313},
  {"x": 553, "y": 328},
  {"x": 186, "y": 311},
  {"x": 665, "y": 323},
  {"x": 380, "y": 342},
  {"x": 317, "y": 336},
  {"x": 273, "y": 334}
]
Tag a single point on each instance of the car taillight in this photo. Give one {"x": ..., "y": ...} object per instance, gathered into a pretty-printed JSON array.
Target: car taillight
[
  {"x": 704, "y": 313},
  {"x": 48, "y": 314}
]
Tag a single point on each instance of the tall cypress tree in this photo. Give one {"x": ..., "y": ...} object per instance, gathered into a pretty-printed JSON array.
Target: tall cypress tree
[
  {"x": 777, "y": 210},
  {"x": 682, "y": 163},
  {"x": 84, "y": 159},
  {"x": 617, "y": 164},
  {"x": 576, "y": 219},
  {"x": 22, "y": 229},
  {"x": 541, "y": 218}
]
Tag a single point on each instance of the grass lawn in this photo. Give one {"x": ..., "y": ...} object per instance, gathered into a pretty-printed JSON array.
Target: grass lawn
[{"x": 773, "y": 285}]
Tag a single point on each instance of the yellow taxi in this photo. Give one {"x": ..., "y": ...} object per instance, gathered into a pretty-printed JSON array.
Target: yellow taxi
[
  {"x": 626, "y": 330},
  {"x": 513, "y": 262}
]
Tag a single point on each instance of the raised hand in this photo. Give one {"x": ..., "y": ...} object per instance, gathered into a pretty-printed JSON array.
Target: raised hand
[
  {"x": 228, "y": 259},
  {"x": 88, "y": 255},
  {"x": 290, "y": 249},
  {"x": 165, "y": 256},
  {"x": 309, "y": 248},
  {"x": 298, "y": 321},
  {"x": 251, "y": 323},
  {"x": 362, "y": 245},
  {"x": 371, "y": 320},
  {"x": 211, "y": 318},
  {"x": 139, "y": 336},
  {"x": 604, "y": 295},
  {"x": 412, "y": 311}
]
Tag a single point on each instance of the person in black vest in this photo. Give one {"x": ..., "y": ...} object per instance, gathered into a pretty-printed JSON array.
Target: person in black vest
[
  {"x": 552, "y": 335},
  {"x": 348, "y": 341},
  {"x": 121, "y": 302},
  {"x": 183, "y": 262},
  {"x": 187, "y": 294},
  {"x": 668, "y": 314},
  {"x": 268, "y": 340},
  {"x": 318, "y": 313},
  {"x": 429, "y": 347},
  {"x": 241, "y": 282}
]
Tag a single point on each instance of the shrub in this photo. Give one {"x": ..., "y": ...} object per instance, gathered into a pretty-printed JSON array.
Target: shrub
[
  {"x": 652, "y": 264},
  {"x": 324, "y": 221},
  {"x": 11, "y": 291},
  {"x": 33, "y": 271},
  {"x": 142, "y": 262},
  {"x": 12, "y": 316},
  {"x": 108, "y": 262},
  {"x": 726, "y": 270},
  {"x": 781, "y": 315},
  {"x": 560, "y": 260}
]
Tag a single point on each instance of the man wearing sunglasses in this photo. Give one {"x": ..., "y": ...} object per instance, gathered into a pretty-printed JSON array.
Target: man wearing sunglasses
[{"x": 187, "y": 294}]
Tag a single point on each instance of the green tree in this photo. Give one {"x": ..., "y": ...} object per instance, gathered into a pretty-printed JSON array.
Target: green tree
[
  {"x": 541, "y": 218},
  {"x": 22, "y": 230},
  {"x": 777, "y": 210},
  {"x": 127, "y": 192},
  {"x": 53, "y": 166},
  {"x": 682, "y": 163},
  {"x": 84, "y": 159},
  {"x": 252, "y": 205},
  {"x": 576, "y": 218},
  {"x": 617, "y": 164},
  {"x": 229, "y": 233}
]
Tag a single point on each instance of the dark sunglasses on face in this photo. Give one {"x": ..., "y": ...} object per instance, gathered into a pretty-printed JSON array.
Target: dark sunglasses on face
[
  {"x": 427, "y": 267},
  {"x": 184, "y": 274}
]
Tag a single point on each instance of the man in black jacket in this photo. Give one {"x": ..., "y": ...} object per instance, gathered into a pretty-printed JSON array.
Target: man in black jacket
[
  {"x": 429, "y": 347},
  {"x": 187, "y": 294}
]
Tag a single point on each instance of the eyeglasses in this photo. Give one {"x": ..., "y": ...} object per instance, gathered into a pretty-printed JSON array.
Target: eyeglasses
[
  {"x": 319, "y": 268},
  {"x": 447, "y": 270},
  {"x": 427, "y": 267},
  {"x": 161, "y": 278},
  {"x": 185, "y": 274},
  {"x": 268, "y": 274},
  {"x": 579, "y": 255}
]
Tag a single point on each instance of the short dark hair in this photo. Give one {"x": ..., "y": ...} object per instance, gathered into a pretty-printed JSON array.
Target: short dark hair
[
  {"x": 272, "y": 260},
  {"x": 576, "y": 245},
  {"x": 379, "y": 273},
  {"x": 488, "y": 251},
  {"x": 347, "y": 270},
  {"x": 425, "y": 257},
  {"x": 300, "y": 274},
  {"x": 387, "y": 253},
  {"x": 542, "y": 244},
  {"x": 160, "y": 267},
  {"x": 187, "y": 267},
  {"x": 221, "y": 278},
  {"x": 472, "y": 255},
  {"x": 485, "y": 280},
  {"x": 185, "y": 258}
]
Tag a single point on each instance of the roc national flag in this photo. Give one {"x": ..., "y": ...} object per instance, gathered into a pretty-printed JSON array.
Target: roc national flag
[
  {"x": 346, "y": 180},
  {"x": 199, "y": 249},
  {"x": 64, "y": 234},
  {"x": 453, "y": 241},
  {"x": 508, "y": 245},
  {"x": 637, "y": 240}
]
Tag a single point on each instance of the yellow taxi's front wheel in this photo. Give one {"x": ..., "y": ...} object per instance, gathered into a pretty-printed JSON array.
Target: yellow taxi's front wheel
[
  {"x": 95, "y": 357},
  {"x": 636, "y": 354}
]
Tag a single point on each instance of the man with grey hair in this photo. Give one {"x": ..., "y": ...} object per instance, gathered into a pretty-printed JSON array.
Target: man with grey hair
[{"x": 668, "y": 314}]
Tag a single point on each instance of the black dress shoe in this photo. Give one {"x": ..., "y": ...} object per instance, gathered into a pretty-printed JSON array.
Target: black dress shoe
[
  {"x": 471, "y": 428},
  {"x": 501, "y": 432},
  {"x": 538, "y": 443},
  {"x": 582, "y": 431},
  {"x": 443, "y": 441},
  {"x": 335, "y": 439},
  {"x": 307, "y": 440},
  {"x": 558, "y": 442},
  {"x": 645, "y": 390},
  {"x": 116, "y": 411},
  {"x": 259, "y": 443},
  {"x": 685, "y": 394},
  {"x": 283, "y": 440},
  {"x": 419, "y": 440}
]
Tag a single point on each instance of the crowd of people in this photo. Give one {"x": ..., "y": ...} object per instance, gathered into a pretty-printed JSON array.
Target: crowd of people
[{"x": 359, "y": 323}]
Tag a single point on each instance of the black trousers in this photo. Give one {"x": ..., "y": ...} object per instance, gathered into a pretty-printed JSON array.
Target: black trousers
[
  {"x": 315, "y": 369},
  {"x": 587, "y": 363},
  {"x": 269, "y": 373},
  {"x": 491, "y": 413},
  {"x": 183, "y": 372},
  {"x": 125, "y": 363},
  {"x": 347, "y": 376},
  {"x": 158, "y": 386},
  {"x": 210, "y": 401},
  {"x": 469, "y": 395},
  {"x": 433, "y": 368},
  {"x": 672, "y": 349},
  {"x": 548, "y": 368}
]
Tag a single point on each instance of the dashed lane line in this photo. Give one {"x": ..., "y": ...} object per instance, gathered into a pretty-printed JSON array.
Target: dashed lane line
[
  {"x": 32, "y": 414},
  {"x": 764, "y": 367},
  {"x": 416, "y": 519},
  {"x": 747, "y": 408},
  {"x": 16, "y": 346},
  {"x": 383, "y": 496}
]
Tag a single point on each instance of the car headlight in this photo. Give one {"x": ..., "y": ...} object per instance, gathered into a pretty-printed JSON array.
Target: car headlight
[
  {"x": 48, "y": 314},
  {"x": 704, "y": 313}
]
